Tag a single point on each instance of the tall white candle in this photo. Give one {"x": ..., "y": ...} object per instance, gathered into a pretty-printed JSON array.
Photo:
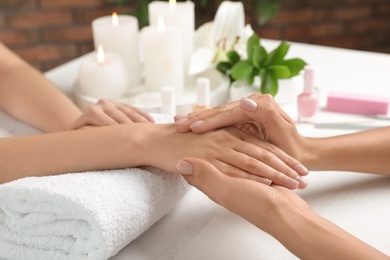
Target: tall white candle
[
  {"x": 119, "y": 34},
  {"x": 181, "y": 14},
  {"x": 163, "y": 57},
  {"x": 103, "y": 75}
]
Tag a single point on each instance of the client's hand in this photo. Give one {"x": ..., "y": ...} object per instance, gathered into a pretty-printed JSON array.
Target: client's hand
[
  {"x": 106, "y": 112},
  {"x": 231, "y": 150},
  {"x": 256, "y": 112}
]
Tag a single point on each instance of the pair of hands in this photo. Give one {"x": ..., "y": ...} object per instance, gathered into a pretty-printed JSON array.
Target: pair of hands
[
  {"x": 261, "y": 117},
  {"x": 256, "y": 158}
]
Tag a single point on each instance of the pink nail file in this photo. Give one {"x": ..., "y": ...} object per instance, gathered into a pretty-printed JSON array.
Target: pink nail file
[{"x": 357, "y": 104}]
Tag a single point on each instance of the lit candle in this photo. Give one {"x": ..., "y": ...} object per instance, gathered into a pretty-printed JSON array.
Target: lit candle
[
  {"x": 163, "y": 57},
  {"x": 119, "y": 34},
  {"x": 180, "y": 14},
  {"x": 103, "y": 75}
]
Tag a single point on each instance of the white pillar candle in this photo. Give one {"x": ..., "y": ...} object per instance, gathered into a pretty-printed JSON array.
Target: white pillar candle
[
  {"x": 103, "y": 75},
  {"x": 119, "y": 34},
  {"x": 181, "y": 14},
  {"x": 163, "y": 57}
]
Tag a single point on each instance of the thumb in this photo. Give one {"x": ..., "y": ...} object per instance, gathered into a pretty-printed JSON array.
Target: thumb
[
  {"x": 264, "y": 109},
  {"x": 205, "y": 177}
]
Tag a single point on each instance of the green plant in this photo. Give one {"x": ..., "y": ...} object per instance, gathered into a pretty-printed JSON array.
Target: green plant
[{"x": 270, "y": 67}]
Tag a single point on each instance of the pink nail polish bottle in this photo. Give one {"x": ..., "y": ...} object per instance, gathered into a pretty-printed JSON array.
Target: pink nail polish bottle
[{"x": 308, "y": 100}]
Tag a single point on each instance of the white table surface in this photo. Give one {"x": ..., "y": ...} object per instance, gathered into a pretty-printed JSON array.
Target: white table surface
[{"x": 197, "y": 228}]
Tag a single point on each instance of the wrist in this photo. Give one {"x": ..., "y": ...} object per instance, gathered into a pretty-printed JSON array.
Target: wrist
[{"x": 153, "y": 144}]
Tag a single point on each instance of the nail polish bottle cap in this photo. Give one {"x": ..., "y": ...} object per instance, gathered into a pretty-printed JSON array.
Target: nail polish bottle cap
[
  {"x": 203, "y": 92},
  {"x": 168, "y": 104},
  {"x": 308, "y": 79}
]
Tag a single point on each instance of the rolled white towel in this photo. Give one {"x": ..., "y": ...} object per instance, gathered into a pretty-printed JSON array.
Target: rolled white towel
[{"x": 89, "y": 215}]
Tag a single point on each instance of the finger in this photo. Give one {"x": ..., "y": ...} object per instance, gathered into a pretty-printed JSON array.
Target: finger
[
  {"x": 236, "y": 172},
  {"x": 111, "y": 109},
  {"x": 94, "y": 116},
  {"x": 205, "y": 177},
  {"x": 217, "y": 117},
  {"x": 137, "y": 114},
  {"x": 262, "y": 163},
  {"x": 278, "y": 166}
]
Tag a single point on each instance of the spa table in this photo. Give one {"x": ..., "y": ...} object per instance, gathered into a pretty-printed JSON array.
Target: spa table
[{"x": 197, "y": 228}]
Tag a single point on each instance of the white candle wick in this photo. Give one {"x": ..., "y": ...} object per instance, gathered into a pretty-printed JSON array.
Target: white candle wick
[
  {"x": 115, "y": 20},
  {"x": 100, "y": 55},
  {"x": 160, "y": 24}
]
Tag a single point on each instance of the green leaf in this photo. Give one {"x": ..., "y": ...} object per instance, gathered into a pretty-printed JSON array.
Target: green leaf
[
  {"x": 224, "y": 67},
  {"x": 276, "y": 56},
  {"x": 254, "y": 40},
  {"x": 242, "y": 70},
  {"x": 294, "y": 65},
  {"x": 280, "y": 71},
  {"x": 251, "y": 78},
  {"x": 269, "y": 84},
  {"x": 233, "y": 56}
]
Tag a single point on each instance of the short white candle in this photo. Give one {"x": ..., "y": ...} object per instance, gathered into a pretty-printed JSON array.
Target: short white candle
[
  {"x": 103, "y": 75},
  {"x": 163, "y": 57},
  {"x": 168, "y": 103},
  {"x": 181, "y": 14},
  {"x": 119, "y": 34}
]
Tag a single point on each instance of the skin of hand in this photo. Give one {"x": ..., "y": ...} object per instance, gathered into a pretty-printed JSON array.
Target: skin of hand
[
  {"x": 106, "y": 112},
  {"x": 369, "y": 152},
  {"x": 258, "y": 115},
  {"x": 231, "y": 150},
  {"x": 277, "y": 211},
  {"x": 129, "y": 145}
]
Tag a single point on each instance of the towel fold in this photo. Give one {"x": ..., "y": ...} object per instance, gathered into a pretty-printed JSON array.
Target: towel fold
[{"x": 89, "y": 215}]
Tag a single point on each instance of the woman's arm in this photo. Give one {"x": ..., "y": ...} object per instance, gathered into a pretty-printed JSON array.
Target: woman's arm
[
  {"x": 279, "y": 212},
  {"x": 28, "y": 96},
  {"x": 160, "y": 145},
  {"x": 366, "y": 151}
]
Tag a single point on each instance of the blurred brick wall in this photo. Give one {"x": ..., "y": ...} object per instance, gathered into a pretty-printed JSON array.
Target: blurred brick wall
[{"x": 48, "y": 33}]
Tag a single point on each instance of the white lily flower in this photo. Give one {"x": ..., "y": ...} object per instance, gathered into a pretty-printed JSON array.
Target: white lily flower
[{"x": 214, "y": 39}]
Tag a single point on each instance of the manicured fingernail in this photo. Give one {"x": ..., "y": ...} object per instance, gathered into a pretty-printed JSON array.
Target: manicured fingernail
[
  {"x": 184, "y": 167},
  {"x": 248, "y": 104},
  {"x": 301, "y": 170},
  {"x": 265, "y": 181},
  {"x": 292, "y": 184},
  {"x": 302, "y": 182},
  {"x": 196, "y": 123},
  {"x": 181, "y": 120}
]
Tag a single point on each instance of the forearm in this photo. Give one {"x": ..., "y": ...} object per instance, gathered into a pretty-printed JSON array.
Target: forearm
[
  {"x": 366, "y": 151},
  {"x": 309, "y": 236},
  {"x": 28, "y": 96},
  {"x": 73, "y": 151}
]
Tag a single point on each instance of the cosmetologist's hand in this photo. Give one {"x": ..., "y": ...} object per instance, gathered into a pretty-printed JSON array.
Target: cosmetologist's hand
[{"x": 259, "y": 112}]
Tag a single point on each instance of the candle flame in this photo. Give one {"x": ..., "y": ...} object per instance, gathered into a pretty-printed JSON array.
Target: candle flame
[
  {"x": 115, "y": 20},
  {"x": 160, "y": 24},
  {"x": 100, "y": 55},
  {"x": 172, "y": 3}
]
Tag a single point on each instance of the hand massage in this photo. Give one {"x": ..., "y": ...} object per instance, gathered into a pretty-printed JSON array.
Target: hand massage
[{"x": 84, "y": 184}]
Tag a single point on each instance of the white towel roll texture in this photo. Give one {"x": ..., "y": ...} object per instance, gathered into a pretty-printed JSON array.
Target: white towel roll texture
[{"x": 89, "y": 215}]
